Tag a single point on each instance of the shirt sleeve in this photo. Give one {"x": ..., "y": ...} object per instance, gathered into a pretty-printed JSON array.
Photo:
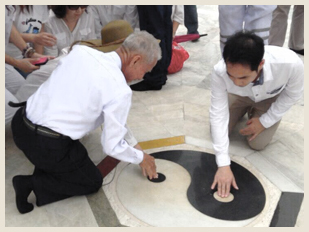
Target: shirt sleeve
[
  {"x": 113, "y": 142},
  {"x": 53, "y": 50},
  {"x": 178, "y": 14},
  {"x": 219, "y": 120},
  {"x": 129, "y": 137},
  {"x": 292, "y": 92}
]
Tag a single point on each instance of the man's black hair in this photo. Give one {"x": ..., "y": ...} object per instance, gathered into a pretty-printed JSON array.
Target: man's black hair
[{"x": 244, "y": 48}]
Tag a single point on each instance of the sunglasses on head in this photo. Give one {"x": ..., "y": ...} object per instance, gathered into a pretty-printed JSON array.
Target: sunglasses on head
[{"x": 75, "y": 7}]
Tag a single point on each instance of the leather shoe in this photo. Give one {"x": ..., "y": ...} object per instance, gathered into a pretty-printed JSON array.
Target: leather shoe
[
  {"x": 145, "y": 86},
  {"x": 300, "y": 52}
]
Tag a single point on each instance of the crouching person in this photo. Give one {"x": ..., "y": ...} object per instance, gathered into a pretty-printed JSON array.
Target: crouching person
[{"x": 88, "y": 88}]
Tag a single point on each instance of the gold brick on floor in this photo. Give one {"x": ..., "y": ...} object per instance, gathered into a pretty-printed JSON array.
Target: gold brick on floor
[{"x": 162, "y": 142}]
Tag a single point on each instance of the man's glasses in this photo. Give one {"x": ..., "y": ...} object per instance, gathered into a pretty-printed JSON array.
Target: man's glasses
[{"x": 75, "y": 7}]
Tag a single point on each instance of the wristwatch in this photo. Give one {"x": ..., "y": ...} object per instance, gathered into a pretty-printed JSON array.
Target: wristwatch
[{"x": 28, "y": 51}]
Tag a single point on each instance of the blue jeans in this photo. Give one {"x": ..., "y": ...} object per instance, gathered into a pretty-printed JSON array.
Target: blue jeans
[{"x": 24, "y": 74}]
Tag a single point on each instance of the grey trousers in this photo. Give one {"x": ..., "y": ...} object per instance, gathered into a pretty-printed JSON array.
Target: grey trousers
[
  {"x": 280, "y": 23},
  {"x": 239, "y": 106},
  {"x": 234, "y": 18}
]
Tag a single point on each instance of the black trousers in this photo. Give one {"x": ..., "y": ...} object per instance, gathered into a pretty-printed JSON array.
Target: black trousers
[
  {"x": 62, "y": 166},
  {"x": 156, "y": 20},
  {"x": 191, "y": 19}
]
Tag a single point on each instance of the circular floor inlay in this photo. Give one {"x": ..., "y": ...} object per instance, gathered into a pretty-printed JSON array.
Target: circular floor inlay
[
  {"x": 248, "y": 201},
  {"x": 186, "y": 192},
  {"x": 224, "y": 199},
  {"x": 160, "y": 178}
]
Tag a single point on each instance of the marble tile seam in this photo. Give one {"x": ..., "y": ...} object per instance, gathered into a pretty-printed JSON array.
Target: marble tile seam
[
  {"x": 252, "y": 160},
  {"x": 272, "y": 194}
]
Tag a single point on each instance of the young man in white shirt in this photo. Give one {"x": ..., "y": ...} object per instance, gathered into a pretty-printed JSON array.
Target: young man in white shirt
[
  {"x": 87, "y": 88},
  {"x": 264, "y": 81}
]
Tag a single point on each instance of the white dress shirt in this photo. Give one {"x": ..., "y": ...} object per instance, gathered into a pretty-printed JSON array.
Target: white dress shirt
[
  {"x": 84, "y": 30},
  {"x": 85, "y": 90},
  {"x": 283, "y": 73}
]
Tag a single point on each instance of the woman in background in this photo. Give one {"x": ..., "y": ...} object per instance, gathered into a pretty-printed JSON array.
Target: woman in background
[
  {"x": 68, "y": 24},
  {"x": 29, "y": 21}
]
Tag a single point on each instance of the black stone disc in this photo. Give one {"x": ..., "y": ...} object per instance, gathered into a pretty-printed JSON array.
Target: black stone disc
[
  {"x": 248, "y": 201},
  {"x": 160, "y": 178}
]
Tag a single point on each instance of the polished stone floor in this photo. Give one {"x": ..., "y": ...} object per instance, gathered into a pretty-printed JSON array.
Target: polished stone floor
[{"x": 181, "y": 108}]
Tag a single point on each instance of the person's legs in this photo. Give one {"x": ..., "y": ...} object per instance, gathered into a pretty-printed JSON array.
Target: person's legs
[
  {"x": 13, "y": 80},
  {"x": 279, "y": 25},
  {"x": 231, "y": 18},
  {"x": 238, "y": 107},
  {"x": 9, "y": 111},
  {"x": 74, "y": 175},
  {"x": 157, "y": 21},
  {"x": 296, "y": 40},
  {"x": 23, "y": 187},
  {"x": 264, "y": 138},
  {"x": 191, "y": 19},
  {"x": 258, "y": 20},
  {"x": 62, "y": 166}
]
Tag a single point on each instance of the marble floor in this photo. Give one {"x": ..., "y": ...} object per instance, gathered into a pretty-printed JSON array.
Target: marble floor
[{"x": 180, "y": 109}]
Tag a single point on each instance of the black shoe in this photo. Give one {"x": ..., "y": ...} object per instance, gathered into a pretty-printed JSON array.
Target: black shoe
[
  {"x": 23, "y": 187},
  {"x": 194, "y": 40},
  {"x": 300, "y": 52},
  {"x": 145, "y": 86}
]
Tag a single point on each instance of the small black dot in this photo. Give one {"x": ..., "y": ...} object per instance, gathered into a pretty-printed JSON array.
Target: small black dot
[{"x": 160, "y": 178}]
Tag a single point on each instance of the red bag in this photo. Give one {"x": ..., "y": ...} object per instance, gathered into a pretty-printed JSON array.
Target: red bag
[{"x": 179, "y": 56}]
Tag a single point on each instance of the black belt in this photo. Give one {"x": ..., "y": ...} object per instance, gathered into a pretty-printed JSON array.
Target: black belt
[
  {"x": 41, "y": 130},
  {"x": 38, "y": 129}
]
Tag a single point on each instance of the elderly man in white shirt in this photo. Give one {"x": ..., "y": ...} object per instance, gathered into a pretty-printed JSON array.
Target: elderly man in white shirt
[
  {"x": 87, "y": 88},
  {"x": 264, "y": 81}
]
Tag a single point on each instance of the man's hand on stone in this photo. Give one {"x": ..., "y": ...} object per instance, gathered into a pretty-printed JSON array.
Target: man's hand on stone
[
  {"x": 149, "y": 167},
  {"x": 224, "y": 178}
]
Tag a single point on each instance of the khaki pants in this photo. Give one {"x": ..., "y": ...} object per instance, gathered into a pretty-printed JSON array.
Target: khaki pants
[
  {"x": 279, "y": 27},
  {"x": 239, "y": 106}
]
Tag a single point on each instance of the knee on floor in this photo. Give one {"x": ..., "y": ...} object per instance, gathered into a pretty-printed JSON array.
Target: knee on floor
[{"x": 257, "y": 145}]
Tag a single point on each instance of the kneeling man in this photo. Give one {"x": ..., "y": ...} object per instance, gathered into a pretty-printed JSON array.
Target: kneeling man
[
  {"x": 87, "y": 88},
  {"x": 263, "y": 81}
]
